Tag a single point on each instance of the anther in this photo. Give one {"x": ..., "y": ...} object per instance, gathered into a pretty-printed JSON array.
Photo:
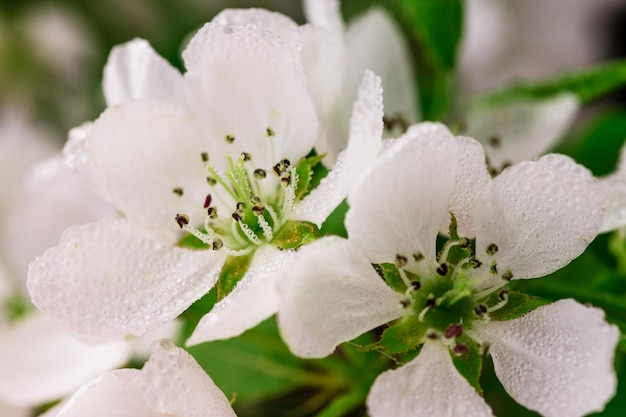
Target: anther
[
  {"x": 259, "y": 174},
  {"x": 236, "y": 216},
  {"x": 246, "y": 156},
  {"x": 229, "y": 138},
  {"x": 504, "y": 294},
  {"x": 464, "y": 243},
  {"x": 182, "y": 220},
  {"x": 494, "y": 268},
  {"x": 401, "y": 261},
  {"x": 495, "y": 141},
  {"x": 474, "y": 263},
  {"x": 416, "y": 285},
  {"x": 204, "y": 156},
  {"x": 285, "y": 181},
  {"x": 277, "y": 169},
  {"x": 258, "y": 209},
  {"x": 255, "y": 199},
  {"x": 269, "y": 132},
  {"x": 460, "y": 349},
  {"x": 286, "y": 163},
  {"x": 480, "y": 310},
  {"x": 178, "y": 191},
  {"x": 484, "y": 349},
  {"x": 211, "y": 180},
  {"x": 405, "y": 302},
  {"x": 492, "y": 249},
  {"x": 217, "y": 244},
  {"x": 453, "y": 331},
  {"x": 433, "y": 335},
  {"x": 241, "y": 206},
  {"x": 207, "y": 201},
  {"x": 442, "y": 269},
  {"x": 508, "y": 275},
  {"x": 418, "y": 256},
  {"x": 430, "y": 301},
  {"x": 212, "y": 212}
]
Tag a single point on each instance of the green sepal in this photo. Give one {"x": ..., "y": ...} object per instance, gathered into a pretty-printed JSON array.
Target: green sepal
[
  {"x": 344, "y": 403},
  {"x": 294, "y": 234},
  {"x": 469, "y": 364},
  {"x": 189, "y": 241},
  {"x": 405, "y": 335},
  {"x": 517, "y": 305},
  {"x": 232, "y": 271},
  {"x": 305, "y": 169},
  {"x": 588, "y": 85},
  {"x": 389, "y": 272}
]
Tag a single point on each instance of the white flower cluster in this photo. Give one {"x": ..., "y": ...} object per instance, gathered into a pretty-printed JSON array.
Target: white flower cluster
[{"x": 207, "y": 179}]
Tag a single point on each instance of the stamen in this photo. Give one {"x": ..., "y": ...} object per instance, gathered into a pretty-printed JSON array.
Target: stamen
[
  {"x": 453, "y": 331},
  {"x": 418, "y": 256},
  {"x": 480, "y": 310},
  {"x": 178, "y": 191},
  {"x": 259, "y": 174},
  {"x": 273, "y": 214},
  {"x": 246, "y": 156},
  {"x": 269, "y": 132},
  {"x": 268, "y": 234},
  {"x": 433, "y": 335},
  {"x": 416, "y": 285},
  {"x": 494, "y": 268},
  {"x": 207, "y": 201},
  {"x": 204, "y": 156},
  {"x": 212, "y": 213},
  {"x": 406, "y": 302},
  {"x": 508, "y": 275},
  {"x": 217, "y": 244},
  {"x": 212, "y": 181},
  {"x": 504, "y": 299},
  {"x": 474, "y": 263},
  {"x": 182, "y": 220},
  {"x": 236, "y": 216},
  {"x": 442, "y": 269},
  {"x": 460, "y": 349},
  {"x": 250, "y": 234},
  {"x": 401, "y": 261},
  {"x": 229, "y": 138},
  {"x": 494, "y": 141},
  {"x": 491, "y": 249}
]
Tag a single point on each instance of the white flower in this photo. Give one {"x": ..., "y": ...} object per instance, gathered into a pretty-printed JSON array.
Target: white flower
[
  {"x": 613, "y": 187},
  {"x": 334, "y": 58},
  {"x": 40, "y": 361},
  {"x": 240, "y": 118},
  {"x": 171, "y": 383},
  {"x": 530, "y": 220}
]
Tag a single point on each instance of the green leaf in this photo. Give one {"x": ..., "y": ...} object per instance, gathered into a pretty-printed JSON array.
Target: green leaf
[
  {"x": 517, "y": 305},
  {"x": 434, "y": 29},
  {"x": 469, "y": 364},
  {"x": 305, "y": 170},
  {"x": 254, "y": 366},
  {"x": 587, "y": 84},
  {"x": 406, "y": 334},
  {"x": 233, "y": 270},
  {"x": 389, "y": 272},
  {"x": 343, "y": 404},
  {"x": 334, "y": 223},
  {"x": 294, "y": 234}
]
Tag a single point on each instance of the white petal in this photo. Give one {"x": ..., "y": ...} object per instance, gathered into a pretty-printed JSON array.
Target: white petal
[
  {"x": 142, "y": 346},
  {"x": 472, "y": 177},
  {"x": 112, "y": 394},
  {"x": 174, "y": 384},
  {"x": 613, "y": 188},
  {"x": 557, "y": 359},
  {"x": 330, "y": 295},
  {"x": 142, "y": 151},
  {"x": 366, "y": 129},
  {"x": 429, "y": 385},
  {"x": 27, "y": 230},
  {"x": 171, "y": 383},
  {"x": 41, "y": 362},
  {"x": 9, "y": 411},
  {"x": 525, "y": 128},
  {"x": 540, "y": 214},
  {"x": 374, "y": 42},
  {"x": 274, "y": 22},
  {"x": 135, "y": 71},
  {"x": 254, "y": 299},
  {"x": 111, "y": 277},
  {"x": 244, "y": 73},
  {"x": 399, "y": 204},
  {"x": 325, "y": 13}
]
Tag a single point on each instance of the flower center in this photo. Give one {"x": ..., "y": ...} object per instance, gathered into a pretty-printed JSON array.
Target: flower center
[{"x": 259, "y": 201}]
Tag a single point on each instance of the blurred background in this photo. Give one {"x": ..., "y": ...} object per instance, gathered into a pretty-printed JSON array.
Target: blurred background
[{"x": 52, "y": 53}]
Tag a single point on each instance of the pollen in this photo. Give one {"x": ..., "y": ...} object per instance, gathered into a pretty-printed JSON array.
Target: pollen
[{"x": 182, "y": 220}]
